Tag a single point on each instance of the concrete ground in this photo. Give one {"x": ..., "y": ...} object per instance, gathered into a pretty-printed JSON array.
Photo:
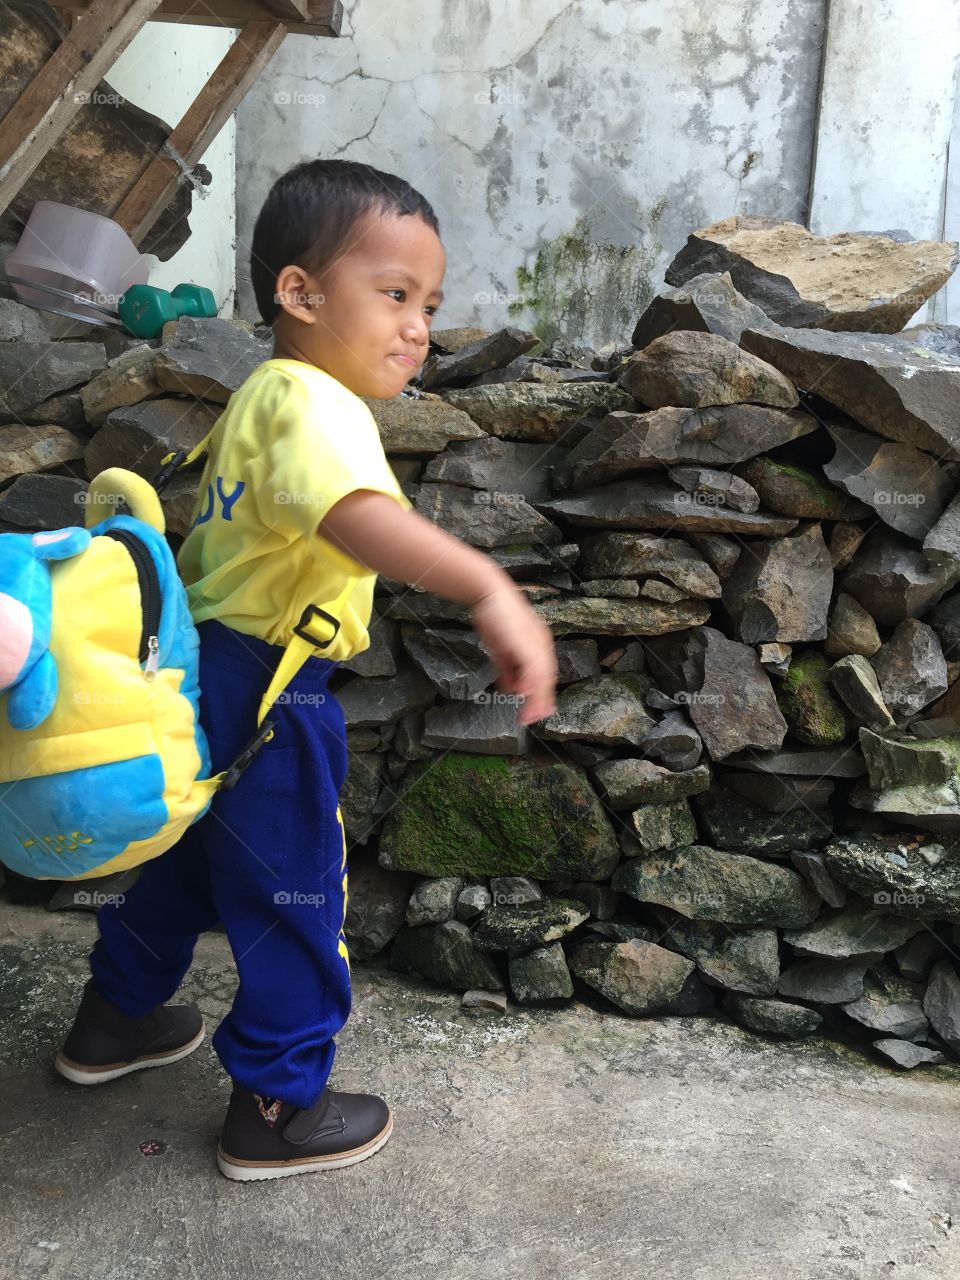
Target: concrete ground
[{"x": 578, "y": 1143}]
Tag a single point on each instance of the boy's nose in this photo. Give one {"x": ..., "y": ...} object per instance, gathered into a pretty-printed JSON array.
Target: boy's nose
[{"x": 416, "y": 330}]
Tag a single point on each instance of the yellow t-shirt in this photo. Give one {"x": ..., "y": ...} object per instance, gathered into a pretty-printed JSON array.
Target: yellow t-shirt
[{"x": 291, "y": 442}]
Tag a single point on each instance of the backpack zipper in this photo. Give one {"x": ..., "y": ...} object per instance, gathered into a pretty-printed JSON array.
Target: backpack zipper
[{"x": 148, "y": 580}]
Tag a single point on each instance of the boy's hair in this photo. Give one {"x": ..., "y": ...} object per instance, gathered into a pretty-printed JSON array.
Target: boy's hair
[{"x": 307, "y": 216}]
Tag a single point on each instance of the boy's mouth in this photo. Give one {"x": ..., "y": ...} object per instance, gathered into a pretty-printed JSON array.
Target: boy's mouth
[{"x": 408, "y": 360}]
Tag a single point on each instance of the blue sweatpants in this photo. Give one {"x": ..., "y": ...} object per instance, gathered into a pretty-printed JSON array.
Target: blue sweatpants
[{"x": 269, "y": 860}]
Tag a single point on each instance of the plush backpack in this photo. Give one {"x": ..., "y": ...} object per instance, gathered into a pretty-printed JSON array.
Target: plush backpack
[{"x": 103, "y": 761}]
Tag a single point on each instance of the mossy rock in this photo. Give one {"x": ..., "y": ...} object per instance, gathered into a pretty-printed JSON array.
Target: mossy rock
[
  {"x": 812, "y": 713},
  {"x": 468, "y": 814},
  {"x": 528, "y": 924},
  {"x": 794, "y": 491}
]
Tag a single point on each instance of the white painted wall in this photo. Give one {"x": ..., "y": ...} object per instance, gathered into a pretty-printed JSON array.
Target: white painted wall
[
  {"x": 162, "y": 70},
  {"x": 886, "y": 115}
]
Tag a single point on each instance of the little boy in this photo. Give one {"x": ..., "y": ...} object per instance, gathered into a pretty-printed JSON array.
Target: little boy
[{"x": 298, "y": 511}]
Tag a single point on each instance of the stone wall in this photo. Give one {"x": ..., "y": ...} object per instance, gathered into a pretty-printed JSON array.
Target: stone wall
[{"x": 741, "y": 527}]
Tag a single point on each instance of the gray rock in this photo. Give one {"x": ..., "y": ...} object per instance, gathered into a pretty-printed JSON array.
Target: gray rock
[
  {"x": 844, "y": 542},
  {"x": 743, "y": 961},
  {"x": 624, "y": 784},
  {"x": 484, "y": 519},
  {"x": 445, "y": 953},
  {"x": 774, "y": 794},
  {"x": 646, "y": 503},
  {"x": 728, "y": 694},
  {"x": 850, "y": 629},
  {"x": 833, "y": 762},
  {"x": 911, "y": 669},
  {"x": 361, "y": 790},
  {"x": 383, "y": 699},
  {"x": 605, "y": 616},
  {"x": 715, "y": 488},
  {"x": 708, "y": 302},
  {"x": 879, "y": 1011},
  {"x": 855, "y": 680},
  {"x": 540, "y": 976},
  {"x": 696, "y": 370},
  {"x": 576, "y": 660},
  {"x": 894, "y": 874},
  {"x": 486, "y": 723},
  {"x": 789, "y": 490},
  {"x": 484, "y": 1002},
  {"x": 915, "y": 781},
  {"x": 434, "y": 901},
  {"x": 711, "y": 884},
  {"x": 662, "y": 826},
  {"x": 918, "y": 955},
  {"x": 775, "y": 658},
  {"x": 380, "y": 658},
  {"x": 721, "y": 436},
  {"x": 455, "y": 661},
  {"x": 674, "y": 742},
  {"x": 606, "y": 709},
  {"x": 941, "y": 1004},
  {"x": 857, "y": 931},
  {"x": 472, "y": 901},
  {"x": 727, "y": 821},
  {"x": 376, "y": 905},
  {"x": 904, "y": 1054},
  {"x": 906, "y": 489},
  {"x": 490, "y": 352},
  {"x": 510, "y": 891},
  {"x": 528, "y": 924},
  {"x": 208, "y": 357},
  {"x": 942, "y": 542},
  {"x": 873, "y": 379},
  {"x": 30, "y": 372},
  {"x": 894, "y": 580},
  {"x": 812, "y": 867},
  {"x": 34, "y": 502},
  {"x": 623, "y": 588},
  {"x": 772, "y": 1017},
  {"x": 780, "y": 589},
  {"x": 824, "y": 981},
  {"x": 137, "y": 437},
  {"x": 640, "y": 555},
  {"x": 599, "y": 899},
  {"x": 127, "y": 380},
  {"x": 626, "y": 658},
  {"x": 422, "y": 426},
  {"x": 639, "y": 977},
  {"x": 498, "y": 466},
  {"x": 532, "y": 411}
]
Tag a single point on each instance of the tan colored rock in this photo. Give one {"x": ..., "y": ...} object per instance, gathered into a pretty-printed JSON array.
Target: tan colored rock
[
  {"x": 697, "y": 370},
  {"x": 426, "y": 424},
  {"x": 848, "y": 281},
  {"x": 128, "y": 380},
  {"x": 30, "y": 449},
  {"x": 850, "y": 629}
]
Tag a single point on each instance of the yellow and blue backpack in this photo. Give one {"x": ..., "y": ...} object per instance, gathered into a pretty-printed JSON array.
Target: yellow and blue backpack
[{"x": 103, "y": 760}]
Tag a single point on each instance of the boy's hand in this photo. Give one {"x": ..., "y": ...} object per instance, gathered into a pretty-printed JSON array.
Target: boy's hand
[{"x": 522, "y": 647}]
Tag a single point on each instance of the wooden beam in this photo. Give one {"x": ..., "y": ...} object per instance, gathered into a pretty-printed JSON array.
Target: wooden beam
[
  {"x": 42, "y": 113},
  {"x": 325, "y": 17},
  {"x": 214, "y": 104}
]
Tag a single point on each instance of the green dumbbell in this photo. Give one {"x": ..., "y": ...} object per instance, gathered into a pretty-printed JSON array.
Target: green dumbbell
[{"x": 144, "y": 309}]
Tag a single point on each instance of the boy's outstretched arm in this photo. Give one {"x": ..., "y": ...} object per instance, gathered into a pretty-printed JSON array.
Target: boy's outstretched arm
[{"x": 375, "y": 530}]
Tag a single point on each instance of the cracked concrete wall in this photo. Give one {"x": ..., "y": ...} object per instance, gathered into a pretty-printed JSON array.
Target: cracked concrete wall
[{"x": 567, "y": 146}]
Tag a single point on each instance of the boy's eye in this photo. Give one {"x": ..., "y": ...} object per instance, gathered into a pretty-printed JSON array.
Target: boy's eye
[
  {"x": 400, "y": 291},
  {"x": 431, "y": 308}
]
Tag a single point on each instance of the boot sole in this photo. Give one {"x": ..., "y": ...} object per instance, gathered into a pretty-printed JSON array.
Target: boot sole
[
  {"x": 257, "y": 1170},
  {"x": 79, "y": 1074}
]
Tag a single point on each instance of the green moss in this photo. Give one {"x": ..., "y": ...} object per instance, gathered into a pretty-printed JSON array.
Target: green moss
[
  {"x": 482, "y": 815},
  {"x": 809, "y": 708},
  {"x": 579, "y": 285}
]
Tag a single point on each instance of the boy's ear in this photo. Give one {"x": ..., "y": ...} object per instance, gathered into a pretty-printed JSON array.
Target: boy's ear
[{"x": 296, "y": 293}]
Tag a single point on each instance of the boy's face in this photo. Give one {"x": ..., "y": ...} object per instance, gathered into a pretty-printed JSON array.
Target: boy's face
[{"x": 369, "y": 309}]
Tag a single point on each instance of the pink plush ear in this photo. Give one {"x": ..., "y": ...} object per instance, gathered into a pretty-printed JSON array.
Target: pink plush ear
[{"x": 16, "y": 633}]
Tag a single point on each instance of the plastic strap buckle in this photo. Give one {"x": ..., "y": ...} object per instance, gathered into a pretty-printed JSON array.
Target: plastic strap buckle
[
  {"x": 166, "y": 471},
  {"x": 314, "y": 611},
  {"x": 246, "y": 755}
]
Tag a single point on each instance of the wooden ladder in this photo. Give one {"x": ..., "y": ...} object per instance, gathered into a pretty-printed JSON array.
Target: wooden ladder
[{"x": 101, "y": 31}]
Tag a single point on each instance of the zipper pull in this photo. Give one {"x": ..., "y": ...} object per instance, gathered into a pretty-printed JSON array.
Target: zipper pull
[{"x": 153, "y": 658}]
